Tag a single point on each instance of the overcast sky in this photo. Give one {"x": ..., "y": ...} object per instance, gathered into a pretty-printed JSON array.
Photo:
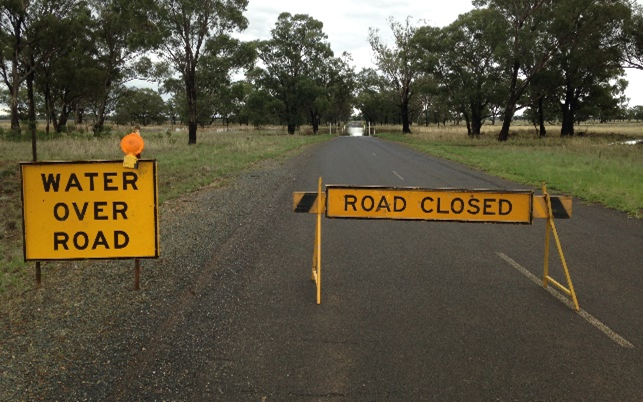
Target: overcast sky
[{"x": 346, "y": 22}]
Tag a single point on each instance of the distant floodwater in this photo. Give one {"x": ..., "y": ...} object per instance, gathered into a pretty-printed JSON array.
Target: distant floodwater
[
  {"x": 356, "y": 131},
  {"x": 631, "y": 142}
]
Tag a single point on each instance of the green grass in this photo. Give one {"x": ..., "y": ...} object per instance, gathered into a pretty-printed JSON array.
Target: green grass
[
  {"x": 587, "y": 167},
  {"x": 183, "y": 168}
]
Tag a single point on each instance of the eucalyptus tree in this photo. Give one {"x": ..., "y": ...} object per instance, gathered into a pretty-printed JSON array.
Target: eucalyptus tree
[
  {"x": 449, "y": 97},
  {"x": 330, "y": 91},
  {"x": 398, "y": 65},
  {"x": 232, "y": 102},
  {"x": 223, "y": 55},
  {"x": 469, "y": 63},
  {"x": 68, "y": 83},
  {"x": 27, "y": 39},
  {"x": 632, "y": 37},
  {"x": 13, "y": 24},
  {"x": 142, "y": 106},
  {"x": 341, "y": 90},
  {"x": 262, "y": 108},
  {"x": 70, "y": 77},
  {"x": 543, "y": 98},
  {"x": 196, "y": 38},
  {"x": 605, "y": 101},
  {"x": 172, "y": 110},
  {"x": 636, "y": 113},
  {"x": 122, "y": 33},
  {"x": 367, "y": 95},
  {"x": 589, "y": 64},
  {"x": 531, "y": 42},
  {"x": 294, "y": 67},
  {"x": 426, "y": 98},
  {"x": 314, "y": 100},
  {"x": 239, "y": 93},
  {"x": 55, "y": 28},
  {"x": 373, "y": 103}
]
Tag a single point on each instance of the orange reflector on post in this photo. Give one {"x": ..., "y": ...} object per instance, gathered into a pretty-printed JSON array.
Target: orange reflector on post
[{"x": 132, "y": 145}]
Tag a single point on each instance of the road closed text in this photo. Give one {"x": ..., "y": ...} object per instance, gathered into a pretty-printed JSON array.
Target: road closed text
[
  {"x": 420, "y": 204},
  {"x": 82, "y": 210}
]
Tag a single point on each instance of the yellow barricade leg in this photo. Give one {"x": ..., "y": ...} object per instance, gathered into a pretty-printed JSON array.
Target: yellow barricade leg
[
  {"x": 551, "y": 226},
  {"x": 316, "y": 272},
  {"x": 319, "y": 221},
  {"x": 547, "y": 245},
  {"x": 313, "y": 275}
]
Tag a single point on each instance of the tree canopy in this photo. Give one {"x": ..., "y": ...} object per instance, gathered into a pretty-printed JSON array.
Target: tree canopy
[
  {"x": 297, "y": 69},
  {"x": 74, "y": 61}
]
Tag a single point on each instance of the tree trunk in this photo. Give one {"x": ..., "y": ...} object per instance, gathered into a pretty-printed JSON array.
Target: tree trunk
[
  {"x": 467, "y": 120},
  {"x": 15, "y": 120},
  {"x": 192, "y": 126},
  {"x": 476, "y": 120},
  {"x": 65, "y": 110},
  {"x": 404, "y": 109},
  {"x": 15, "y": 84},
  {"x": 190, "y": 91},
  {"x": 510, "y": 107},
  {"x": 99, "y": 124},
  {"x": 100, "y": 119},
  {"x": 80, "y": 115},
  {"x": 49, "y": 107},
  {"x": 32, "y": 114},
  {"x": 541, "y": 118},
  {"x": 54, "y": 120},
  {"x": 314, "y": 122},
  {"x": 567, "y": 129},
  {"x": 506, "y": 123}
]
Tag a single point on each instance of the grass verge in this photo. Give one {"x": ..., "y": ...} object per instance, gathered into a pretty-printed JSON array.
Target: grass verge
[
  {"x": 591, "y": 167},
  {"x": 183, "y": 168}
]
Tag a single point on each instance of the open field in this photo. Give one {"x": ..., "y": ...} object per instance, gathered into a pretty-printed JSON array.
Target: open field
[
  {"x": 182, "y": 168},
  {"x": 594, "y": 166}
]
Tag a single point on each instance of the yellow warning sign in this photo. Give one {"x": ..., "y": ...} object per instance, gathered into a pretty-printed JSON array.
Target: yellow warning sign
[
  {"x": 89, "y": 210},
  {"x": 494, "y": 206}
]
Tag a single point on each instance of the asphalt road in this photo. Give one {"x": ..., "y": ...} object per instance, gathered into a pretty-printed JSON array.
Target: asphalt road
[{"x": 410, "y": 310}]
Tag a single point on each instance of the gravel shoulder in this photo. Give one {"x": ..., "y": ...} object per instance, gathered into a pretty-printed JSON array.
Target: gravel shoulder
[{"x": 85, "y": 333}]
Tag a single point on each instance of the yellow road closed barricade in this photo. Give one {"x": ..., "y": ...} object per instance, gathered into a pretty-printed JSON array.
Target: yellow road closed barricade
[
  {"x": 89, "y": 210},
  {"x": 450, "y": 205}
]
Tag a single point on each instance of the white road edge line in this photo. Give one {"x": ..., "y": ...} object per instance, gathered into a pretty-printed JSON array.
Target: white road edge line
[
  {"x": 587, "y": 316},
  {"x": 373, "y": 153},
  {"x": 395, "y": 173}
]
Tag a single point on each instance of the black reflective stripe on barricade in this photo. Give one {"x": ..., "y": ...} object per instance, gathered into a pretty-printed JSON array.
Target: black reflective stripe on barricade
[
  {"x": 558, "y": 209},
  {"x": 306, "y": 202}
]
